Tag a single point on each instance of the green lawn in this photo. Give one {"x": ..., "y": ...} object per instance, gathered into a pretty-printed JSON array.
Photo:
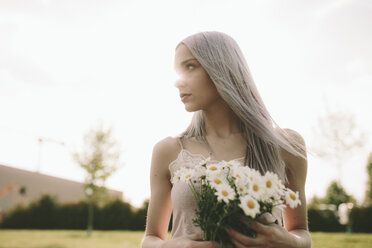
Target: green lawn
[{"x": 126, "y": 239}]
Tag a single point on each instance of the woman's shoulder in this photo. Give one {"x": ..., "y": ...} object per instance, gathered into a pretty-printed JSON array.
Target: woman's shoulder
[
  {"x": 168, "y": 143},
  {"x": 295, "y": 163},
  {"x": 295, "y": 136},
  {"x": 167, "y": 149}
]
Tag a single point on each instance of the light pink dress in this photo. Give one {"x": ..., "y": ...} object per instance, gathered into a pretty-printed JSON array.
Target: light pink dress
[{"x": 182, "y": 199}]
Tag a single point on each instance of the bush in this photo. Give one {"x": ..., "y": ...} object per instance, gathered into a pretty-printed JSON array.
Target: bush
[
  {"x": 47, "y": 213},
  {"x": 324, "y": 221},
  {"x": 40, "y": 214},
  {"x": 116, "y": 215},
  {"x": 361, "y": 219}
]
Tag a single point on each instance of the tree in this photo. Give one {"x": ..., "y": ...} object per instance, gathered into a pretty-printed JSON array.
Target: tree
[
  {"x": 368, "y": 197},
  {"x": 337, "y": 136},
  {"x": 100, "y": 158},
  {"x": 336, "y": 194}
]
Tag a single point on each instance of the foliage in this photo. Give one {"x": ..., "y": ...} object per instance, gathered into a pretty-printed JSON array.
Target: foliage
[
  {"x": 116, "y": 215},
  {"x": 47, "y": 213},
  {"x": 323, "y": 221},
  {"x": 361, "y": 219},
  {"x": 337, "y": 136},
  {"x": 100, "y": 159},
  {"x": 336, "y": 194},
  {"x": 139, "y": 218},
  {"x": 368, "y": 197}
]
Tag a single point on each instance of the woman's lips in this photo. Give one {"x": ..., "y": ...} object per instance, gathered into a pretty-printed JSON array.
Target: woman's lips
[{"x": 184, "y": 96}]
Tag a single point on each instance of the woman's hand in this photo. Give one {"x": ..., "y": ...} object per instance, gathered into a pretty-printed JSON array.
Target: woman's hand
[
  {"x": 269, "y": 234},
  {"x": 190, "y": 241}
]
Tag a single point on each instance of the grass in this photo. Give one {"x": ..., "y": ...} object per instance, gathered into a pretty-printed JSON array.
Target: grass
[
  {"x": 68, "y": 239},
  {"x": 128, "y": 239}
]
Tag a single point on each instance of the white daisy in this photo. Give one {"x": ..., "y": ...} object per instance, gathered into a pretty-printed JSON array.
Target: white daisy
[
  {"x": 204, "y": 162},
  {"x": 186, "y": 174},
  {"x": 237, "y": 172},
  {"x": 224, "y": 193},
  {"x": 176, "y": 177},
  {"x": 251, "y": 174},
  {"x": 231, "y": 164},
  {"x": 242, "y": 186},
  {"x": 249, "y": 205},
  {"x": 256, "y": 188},
  {"x": 271, "y": 182},
  {"x": 216, "y": 179},
  {"x": 214, "y": 168},
  {"x": 200, "y": 171},
  {"x": 292, "y": 198}
]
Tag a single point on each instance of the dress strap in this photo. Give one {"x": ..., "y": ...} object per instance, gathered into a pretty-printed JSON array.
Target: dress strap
[{"x": 180, "y": 142}]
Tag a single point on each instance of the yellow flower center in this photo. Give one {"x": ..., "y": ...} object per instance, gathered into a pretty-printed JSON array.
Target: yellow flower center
[
  {"x": 269, "y": 184},
  {"x": 241, "y": 189},
  {"x": 225, "y": 193},
  {"x": 213, "y": 168},
  {"x": 292, "y": 196},
  {"x": 250, "y": 204},
  {"x": 217, "y": 181},
  {"x": 188, "y": 176},
  {"x": 255, "y": 188},
  {"x": 230, "y": 165}
]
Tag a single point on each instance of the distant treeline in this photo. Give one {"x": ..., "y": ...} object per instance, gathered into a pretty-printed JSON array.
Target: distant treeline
[
  {"x": 47, "y": 213},
  {"x": 327, "y": 220}
]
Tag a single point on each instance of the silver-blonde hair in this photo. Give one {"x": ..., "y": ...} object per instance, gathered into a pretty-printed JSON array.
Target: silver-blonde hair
[{"x": 221, "y": 57}]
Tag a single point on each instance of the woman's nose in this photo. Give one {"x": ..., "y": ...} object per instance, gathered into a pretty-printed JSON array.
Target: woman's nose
[{"x": 178, "y": 83}]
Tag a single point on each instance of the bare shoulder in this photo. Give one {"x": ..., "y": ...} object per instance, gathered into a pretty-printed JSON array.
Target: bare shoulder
[
  {"x": 296, "y": 165},
  {"x": 165, "y": 151},
  {"x": 295, "y": 136},
  {"x": 297, "y": 139},
  {"x": 167, "y": 146}
]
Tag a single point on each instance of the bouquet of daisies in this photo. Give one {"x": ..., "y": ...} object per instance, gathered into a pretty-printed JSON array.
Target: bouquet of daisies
[{"x": 226, "y": 191}]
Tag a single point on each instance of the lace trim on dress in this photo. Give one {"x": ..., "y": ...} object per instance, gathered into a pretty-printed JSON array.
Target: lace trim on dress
[{"x": 188, "y": 159}]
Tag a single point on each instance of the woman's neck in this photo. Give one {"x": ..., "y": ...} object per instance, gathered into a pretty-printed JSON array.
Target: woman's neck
[{"x": 220, "y": 121}]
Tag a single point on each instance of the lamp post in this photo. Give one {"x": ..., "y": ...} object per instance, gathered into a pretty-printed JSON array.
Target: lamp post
[{"x": 89, "y": 192}]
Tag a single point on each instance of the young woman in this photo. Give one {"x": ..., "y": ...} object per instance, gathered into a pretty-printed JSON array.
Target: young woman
[{"x": 230, "y": 122}]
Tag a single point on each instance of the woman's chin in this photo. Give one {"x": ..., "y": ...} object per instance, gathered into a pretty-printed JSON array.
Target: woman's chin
[{"x": 191, "y": 108}]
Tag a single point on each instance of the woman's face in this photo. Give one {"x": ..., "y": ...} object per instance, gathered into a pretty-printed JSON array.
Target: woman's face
[{"x": 197, "y": 91}]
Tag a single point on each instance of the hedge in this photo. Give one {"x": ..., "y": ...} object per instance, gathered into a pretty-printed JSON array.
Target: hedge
[{"x": 47, "y": 213}]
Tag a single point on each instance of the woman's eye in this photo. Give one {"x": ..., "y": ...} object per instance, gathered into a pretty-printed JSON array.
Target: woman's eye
[{"x": 190, "y": 66}]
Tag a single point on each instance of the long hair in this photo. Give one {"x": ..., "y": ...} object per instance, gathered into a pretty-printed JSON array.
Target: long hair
[{"x": 221, "y": 57}]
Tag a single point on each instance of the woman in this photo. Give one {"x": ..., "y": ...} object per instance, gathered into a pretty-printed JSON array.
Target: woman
[{"x": 230, "y": 122}]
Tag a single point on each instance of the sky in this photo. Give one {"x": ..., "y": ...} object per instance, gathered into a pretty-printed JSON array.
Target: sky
[{"x": 67, "y": 66}]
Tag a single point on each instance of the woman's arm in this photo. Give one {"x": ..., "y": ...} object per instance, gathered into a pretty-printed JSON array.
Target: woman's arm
[
  {"x": 295, "y": 231},
  {"x": 160, "y": 205},
  {"x": 295, "y": 219}
]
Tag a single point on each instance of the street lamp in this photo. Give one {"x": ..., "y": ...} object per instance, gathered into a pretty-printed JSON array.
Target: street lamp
[{"x": 89, "y": 193}]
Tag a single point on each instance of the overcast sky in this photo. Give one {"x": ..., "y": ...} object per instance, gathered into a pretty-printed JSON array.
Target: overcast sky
[{"x": 66, "y": 66}]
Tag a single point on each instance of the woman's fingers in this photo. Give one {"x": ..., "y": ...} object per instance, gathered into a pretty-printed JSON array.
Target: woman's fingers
[
  {"x": 258, "y": 227},
  {"x": 267, "y": 219},
  {"x": 241, "y": 240}
]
